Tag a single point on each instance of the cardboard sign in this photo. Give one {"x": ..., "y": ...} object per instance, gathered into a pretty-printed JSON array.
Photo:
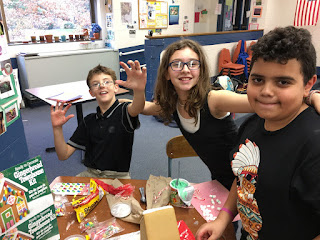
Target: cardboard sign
[{"x": 26, "y": 203}]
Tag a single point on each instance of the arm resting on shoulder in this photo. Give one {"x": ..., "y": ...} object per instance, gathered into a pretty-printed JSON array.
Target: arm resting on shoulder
[
  {"x": 315, "y": 101},
  {"x": 222, "y": 101}
]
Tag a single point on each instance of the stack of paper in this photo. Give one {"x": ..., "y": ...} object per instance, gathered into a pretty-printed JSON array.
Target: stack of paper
[{"x": 65, "y": 96}]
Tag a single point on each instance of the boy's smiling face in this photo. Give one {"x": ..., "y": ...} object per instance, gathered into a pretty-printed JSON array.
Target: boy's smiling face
[
  {"x": 276, "y": 91},
  {"x": 103, "y": 88}
]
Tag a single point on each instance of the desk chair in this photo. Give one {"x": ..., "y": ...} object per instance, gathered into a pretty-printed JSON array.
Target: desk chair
[{"x": 178, "y": 147}]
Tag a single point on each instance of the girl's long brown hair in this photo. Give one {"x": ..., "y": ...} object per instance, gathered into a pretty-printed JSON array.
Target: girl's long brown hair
[{"x": 165, "y": 94}]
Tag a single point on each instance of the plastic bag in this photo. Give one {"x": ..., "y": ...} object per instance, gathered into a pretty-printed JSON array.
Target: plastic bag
[
  {"x": 88, "y": 223},
  {"x": 105, "y": 230},
  {"x": 60, "y": 205},
  {"x": 226, "y": 82},
  {"x": 124, "y": 190}
]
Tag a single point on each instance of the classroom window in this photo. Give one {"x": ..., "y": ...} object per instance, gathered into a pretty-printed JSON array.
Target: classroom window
[{"x": 25, "y": 18}]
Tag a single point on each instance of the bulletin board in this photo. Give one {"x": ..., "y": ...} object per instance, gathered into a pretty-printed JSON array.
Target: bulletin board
[{"x": 153, "y": 14}]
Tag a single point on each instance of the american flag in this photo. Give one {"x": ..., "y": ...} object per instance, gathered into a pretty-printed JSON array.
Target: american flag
[{"x": 307, "y": 12}]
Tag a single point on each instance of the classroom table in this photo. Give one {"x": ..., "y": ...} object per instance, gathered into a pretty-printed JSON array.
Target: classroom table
[
  {"x": 102, "y": 211},
  {"x": 79, "y": 87}
]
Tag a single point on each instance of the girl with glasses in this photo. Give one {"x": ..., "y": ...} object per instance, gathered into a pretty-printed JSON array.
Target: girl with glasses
[{"x": 182, "y": 92}]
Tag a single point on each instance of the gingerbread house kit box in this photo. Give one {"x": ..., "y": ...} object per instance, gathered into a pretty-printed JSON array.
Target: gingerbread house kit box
[{"x": 26, "y": 203}]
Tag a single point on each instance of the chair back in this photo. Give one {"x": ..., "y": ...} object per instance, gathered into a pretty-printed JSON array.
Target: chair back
[
  {"x": 178, "y": 147},
  {"x": 224, "y": 57}
]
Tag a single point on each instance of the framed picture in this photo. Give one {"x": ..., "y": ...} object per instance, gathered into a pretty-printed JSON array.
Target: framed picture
[
  {"x": 257, "y": 12},
  {"x": 12, "y": 113},
  {"x": 3, "y": 128},
  {"x": 258, "y": 2},
  {"x": 173, "y": 15},
  {"x": 6, "y": 87},
  {"x": 253, "y": 26}
]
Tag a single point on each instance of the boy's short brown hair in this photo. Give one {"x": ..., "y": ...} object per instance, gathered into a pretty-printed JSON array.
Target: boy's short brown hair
[{"x": 98, "y": 70}]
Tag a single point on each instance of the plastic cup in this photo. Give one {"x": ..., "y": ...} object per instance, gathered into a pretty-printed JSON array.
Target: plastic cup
[{"x": 174, "y": 196}]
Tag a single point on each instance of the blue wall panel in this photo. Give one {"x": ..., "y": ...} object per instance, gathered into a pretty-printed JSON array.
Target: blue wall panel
[{"x": 13, "y": 144}]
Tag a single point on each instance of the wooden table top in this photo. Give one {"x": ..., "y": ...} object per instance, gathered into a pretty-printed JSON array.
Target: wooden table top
[{"x": 102, "y": 211}]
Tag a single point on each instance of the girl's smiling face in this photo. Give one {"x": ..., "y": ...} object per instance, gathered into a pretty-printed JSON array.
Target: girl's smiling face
[{"x": 185, "y": 79}]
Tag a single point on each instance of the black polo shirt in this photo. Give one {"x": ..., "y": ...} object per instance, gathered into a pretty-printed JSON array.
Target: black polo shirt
[{"x": 107, "y": 139}]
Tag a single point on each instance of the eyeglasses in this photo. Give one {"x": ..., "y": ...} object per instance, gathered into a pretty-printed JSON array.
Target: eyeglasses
[
  {"x": 98, "y": 85},
  {"x": 178, "y": 65}
]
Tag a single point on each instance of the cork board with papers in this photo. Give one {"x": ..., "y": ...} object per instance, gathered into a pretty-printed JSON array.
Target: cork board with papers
[{"x": 153, "y": 14}]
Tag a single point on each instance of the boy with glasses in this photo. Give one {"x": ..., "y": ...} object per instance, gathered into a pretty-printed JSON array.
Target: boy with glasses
[{"x": 107, "y": 135}]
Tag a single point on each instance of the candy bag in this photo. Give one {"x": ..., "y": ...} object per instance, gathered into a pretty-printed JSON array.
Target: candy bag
[
  {"x": 88, "y": 223},
  {"x": 105, "y": 230},
  {"x": 84, "y": 205}
]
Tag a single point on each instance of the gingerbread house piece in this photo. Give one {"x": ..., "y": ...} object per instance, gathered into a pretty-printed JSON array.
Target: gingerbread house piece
[
  {"x": 18, "y": 235},
  {"x": 13, "y": 203}
]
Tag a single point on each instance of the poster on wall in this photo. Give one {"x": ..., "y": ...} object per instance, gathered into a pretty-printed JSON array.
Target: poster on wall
[
  {"x": 126, "y": 12},
  {"x": 258, "y": 3},
  {"x": 108, "y": 6},
  {"x": 153, "y": 14},
  {"x": 12, "y": 112},
  {"x": 109, "y": 20},
  {"x": 7, "y": 88},
  {"x": 6, "y": 67},
  {"x": 173, "y": 15},
  {"x": 257, "y": 12},
  {"x": 203, "y": 16},
  {"x": 3, "y": 45},
  {"x": 27, "y": 207},
  {"x": 185, "y": 25},
  {"x": 3, "y": 128}
]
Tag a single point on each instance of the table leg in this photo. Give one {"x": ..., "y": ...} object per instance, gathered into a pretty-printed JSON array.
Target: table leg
[
  {"x": 80, "y": 119},
  {"x": 79, "y": 113}
]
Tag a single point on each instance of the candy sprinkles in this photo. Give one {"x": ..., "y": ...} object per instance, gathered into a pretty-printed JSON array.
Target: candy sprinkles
[{"x": 207, "y": 209}]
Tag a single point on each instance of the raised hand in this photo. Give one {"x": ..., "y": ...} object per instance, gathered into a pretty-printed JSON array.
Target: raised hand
[
  {"x": 58, "y": 114},
  {"x": 136, "y": 76}
]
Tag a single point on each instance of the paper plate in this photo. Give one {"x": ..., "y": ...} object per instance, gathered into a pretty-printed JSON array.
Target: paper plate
[
  {"x": 75, "y": 237},
  {"x": 120, "y": 210}
]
